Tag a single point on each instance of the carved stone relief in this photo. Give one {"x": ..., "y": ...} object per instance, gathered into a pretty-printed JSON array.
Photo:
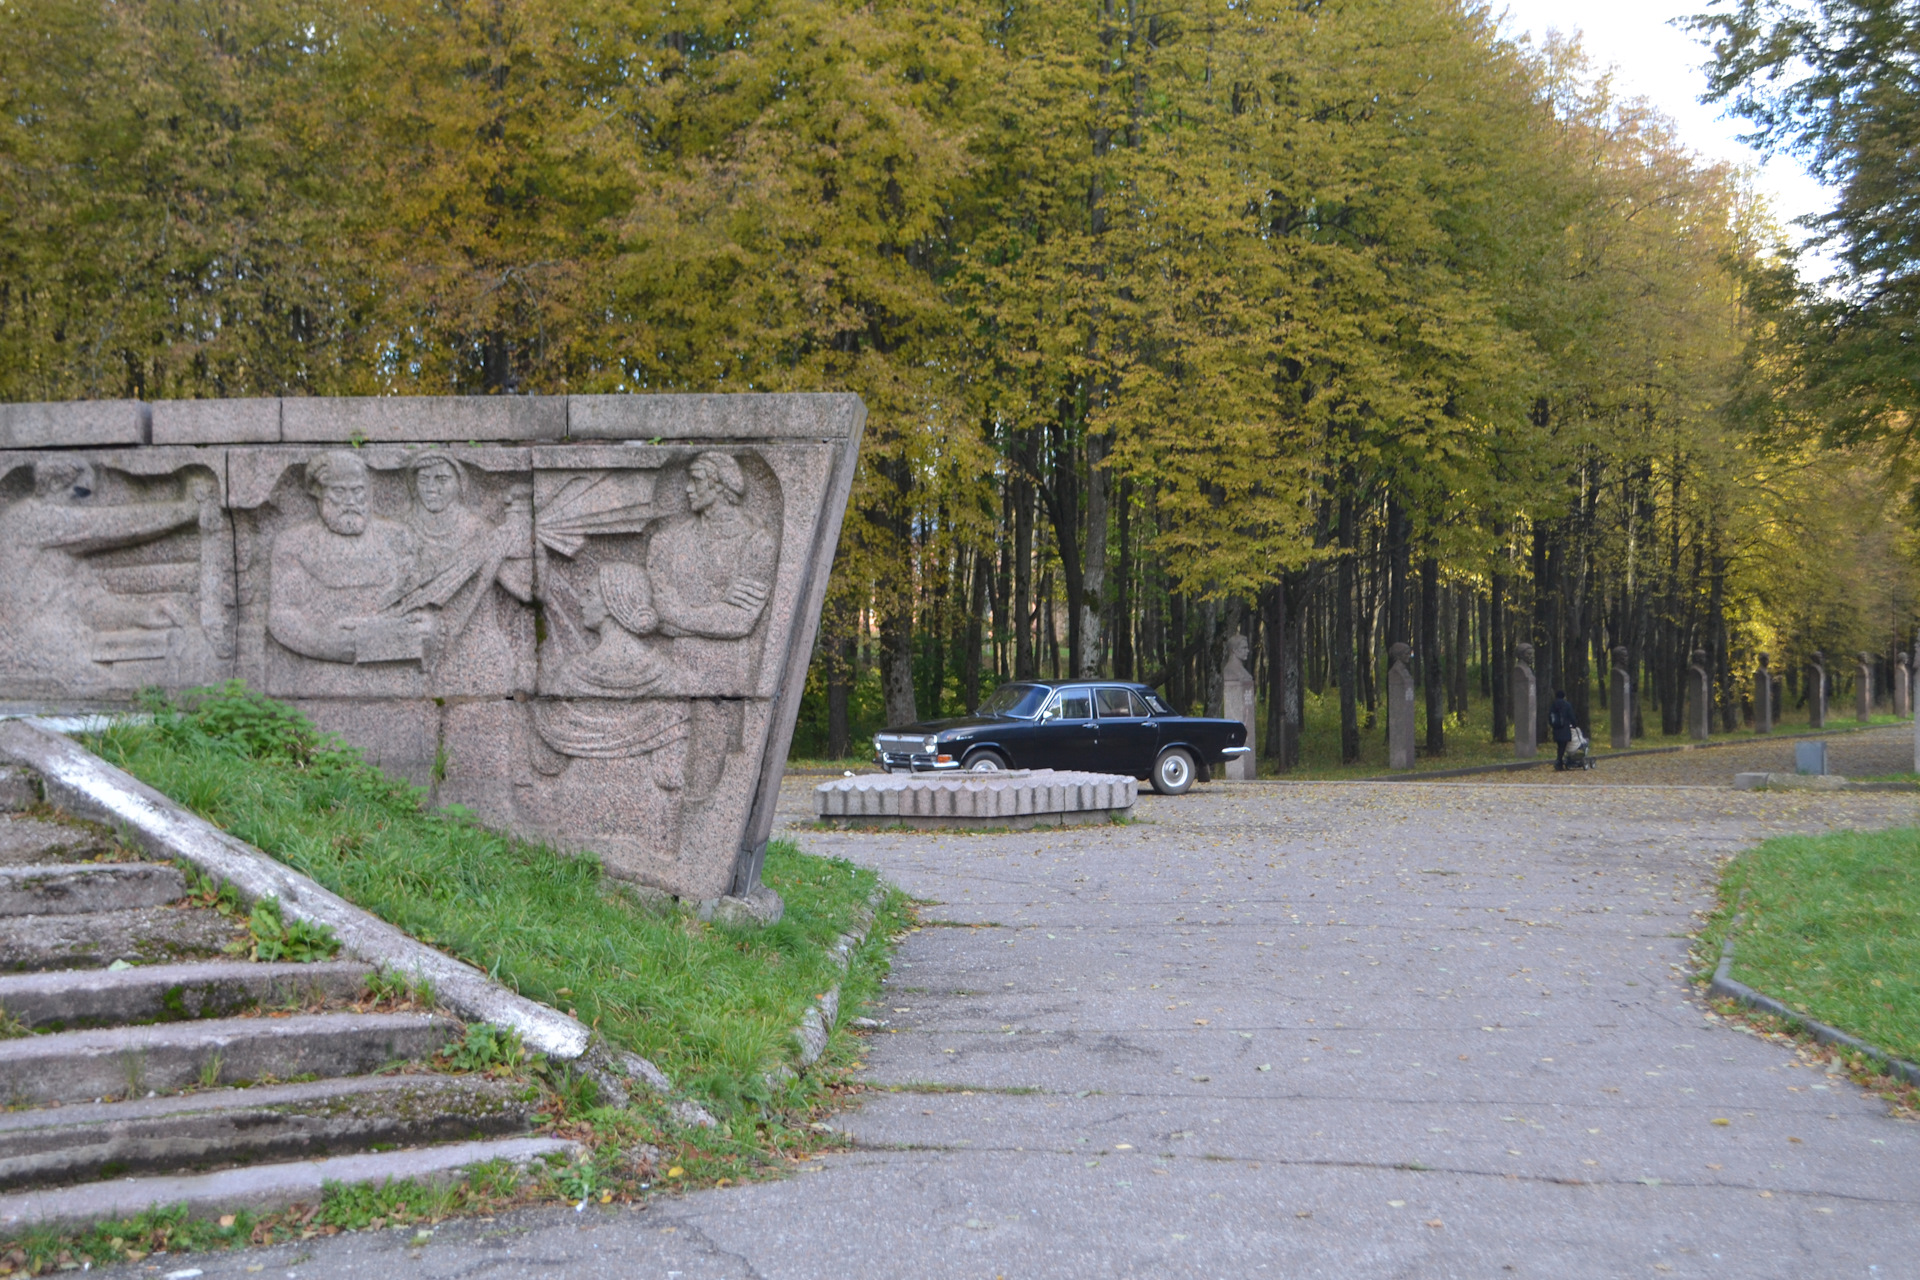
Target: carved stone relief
[
  {"x": 116, "y": 572},
  {"x": 599, "y": 644},
  {"x": 654, "y": 570},
  {"x": 385, "y": 572}
]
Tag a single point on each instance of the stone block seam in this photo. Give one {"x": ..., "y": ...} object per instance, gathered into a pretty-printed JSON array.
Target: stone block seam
[
  {"x": 1723, "y": 985},
  {"x": 80, "y": 782}
]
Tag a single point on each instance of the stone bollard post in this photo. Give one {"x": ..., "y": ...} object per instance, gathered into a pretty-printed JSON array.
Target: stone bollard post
[
  {"x": 1237, "y": 703},
  {"x": 1863, "y": 691},
  {"x": 1915, "y": 668},
  {"x": 1817, "y": 690},
  {"x": 1524, "y": 705},
  {"x": 1399, "y": 709},
  {"x": 1699, "y": 697},
  {"x": 1763, "y": 698},
  {"x": 1620, "y": 702},
  {"x": 1902, "y": 687}
]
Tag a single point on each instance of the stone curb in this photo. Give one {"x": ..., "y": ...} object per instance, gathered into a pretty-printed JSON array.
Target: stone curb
[
  {"x": 84, "y": 784},
  {"x": 1724, "y": 985},
  {"x": 817, "y": 1023},
  {"x": 273, "y": 1186},
  {"x": 1812, "y": 782}
]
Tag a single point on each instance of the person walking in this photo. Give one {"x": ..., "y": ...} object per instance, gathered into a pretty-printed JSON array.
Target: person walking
[{"x": 1560, "y": 720}]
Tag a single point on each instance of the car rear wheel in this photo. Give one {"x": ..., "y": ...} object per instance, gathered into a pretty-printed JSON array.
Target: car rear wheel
[
  {"x": 1173, "y": 772},
  {"x": 986, "y": 762}
]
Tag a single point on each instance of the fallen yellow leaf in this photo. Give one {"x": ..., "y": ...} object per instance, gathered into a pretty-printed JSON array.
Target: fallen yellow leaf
[
  {"x": 675, "y": 1172},
  {"x": 1721, "y": 1120},
  {"x": 226, "y": 1219}
]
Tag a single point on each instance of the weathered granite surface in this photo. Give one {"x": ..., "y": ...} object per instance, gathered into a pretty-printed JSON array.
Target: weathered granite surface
[{"x": 583, "y": 618}]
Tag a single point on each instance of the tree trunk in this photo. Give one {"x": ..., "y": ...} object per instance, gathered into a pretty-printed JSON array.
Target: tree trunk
[
  {"x": 1281, "y": 741},
  {"x": 970, "y": 671},
  {"x": 1497, "y": 639},
  {"x": 1346, "y": 640},
  {"x": 1543, "y": 617},
  {"x": 1398, "y": 554},
  {"x": 1003, "y": 593},
  {"x": 1462, "y": 647},
  {"x": 1430, "y": 656},
  {"x": 1023, "y": 619},
  {"x": 1093, "y": 576},
  {"x": 896, "y": 662},
  {"x": 1123, "y": 590},
  {"x": 1178, "y": 692}
]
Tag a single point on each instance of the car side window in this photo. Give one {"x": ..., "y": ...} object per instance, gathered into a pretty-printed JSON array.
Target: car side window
[
  {"x": 1072, "y": 704},
  {"x": 1118, "y": 704}
]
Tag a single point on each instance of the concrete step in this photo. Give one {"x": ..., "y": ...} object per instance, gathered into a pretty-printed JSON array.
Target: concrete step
[
  {"x": 55, "y": 888},
  {"x": 261, "y": 1187},
  {"x": 62, "y": 999},
  {"x": 53, "y": 1145},
  {"x": 128, "y": 1062},
  {"x": 28, "y": 840},
  {"x": 143, "y": 935}
]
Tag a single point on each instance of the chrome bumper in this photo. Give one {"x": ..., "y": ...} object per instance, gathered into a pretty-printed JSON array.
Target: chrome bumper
[
  {"x": 918, "y": 763},
  {"x": 1237, "y": 751}
]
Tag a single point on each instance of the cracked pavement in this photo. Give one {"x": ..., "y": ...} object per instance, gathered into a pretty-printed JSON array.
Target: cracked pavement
[{"x": 1437, "y": 1029}]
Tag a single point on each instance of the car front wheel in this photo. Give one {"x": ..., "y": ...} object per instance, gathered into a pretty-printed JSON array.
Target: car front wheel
[
  {"x": 986, "y": 762},
  {"x": 1173, "y": 772}
]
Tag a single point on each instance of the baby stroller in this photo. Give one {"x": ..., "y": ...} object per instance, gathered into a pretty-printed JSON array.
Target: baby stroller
[{"x": 1579, "y": 750}]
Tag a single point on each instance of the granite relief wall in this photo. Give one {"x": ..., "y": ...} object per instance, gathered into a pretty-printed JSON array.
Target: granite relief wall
[{"x": 583, "y": 618}]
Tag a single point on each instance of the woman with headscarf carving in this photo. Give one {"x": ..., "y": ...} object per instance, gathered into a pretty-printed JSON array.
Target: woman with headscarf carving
[{"x": 455, "y": 547}]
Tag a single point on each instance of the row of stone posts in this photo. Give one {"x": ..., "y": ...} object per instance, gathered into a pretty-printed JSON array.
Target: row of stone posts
[
  {"x": 1524, "y": 693},
  {"x": 1699, "y": 694}
]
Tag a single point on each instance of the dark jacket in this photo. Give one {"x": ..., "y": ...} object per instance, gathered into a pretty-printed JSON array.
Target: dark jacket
[{"x": 1560, "y": 720}]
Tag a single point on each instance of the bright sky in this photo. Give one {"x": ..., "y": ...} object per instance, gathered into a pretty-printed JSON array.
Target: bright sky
[{"x": 1661, "y": 62}]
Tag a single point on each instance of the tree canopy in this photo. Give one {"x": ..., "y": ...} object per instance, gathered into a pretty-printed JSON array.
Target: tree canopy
[{"x": 1328, "y": 322}]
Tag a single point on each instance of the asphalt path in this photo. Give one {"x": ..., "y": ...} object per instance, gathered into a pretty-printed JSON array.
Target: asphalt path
[{"x": 1335, "y": 1029}]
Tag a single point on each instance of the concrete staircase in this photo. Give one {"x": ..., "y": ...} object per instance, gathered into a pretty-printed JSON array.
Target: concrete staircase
[{"x": 144, "y": 1060}]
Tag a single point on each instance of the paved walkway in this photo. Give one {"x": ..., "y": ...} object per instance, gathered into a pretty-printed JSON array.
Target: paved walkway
[{"x": 1435, "y": 1029}]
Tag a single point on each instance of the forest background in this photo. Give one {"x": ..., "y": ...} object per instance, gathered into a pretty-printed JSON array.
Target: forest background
[{"x": 1330, "y": 324}]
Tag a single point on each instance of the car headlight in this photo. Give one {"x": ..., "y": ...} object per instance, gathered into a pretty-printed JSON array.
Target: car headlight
[
  {"x": 930, "y": 744},
  {"x": 877, "y": 748}
]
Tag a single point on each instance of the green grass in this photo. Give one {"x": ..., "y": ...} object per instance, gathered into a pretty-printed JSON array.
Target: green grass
[
  {"x": 1831, "y": 929},
  {"x": 713, "y": 1006}
]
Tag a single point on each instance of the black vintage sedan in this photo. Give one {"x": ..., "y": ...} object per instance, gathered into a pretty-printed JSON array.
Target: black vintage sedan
[{"x": 1092, "y": 725}]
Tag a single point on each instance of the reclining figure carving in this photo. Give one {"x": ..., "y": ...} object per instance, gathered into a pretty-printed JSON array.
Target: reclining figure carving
[{"x": 59, "y": 617}]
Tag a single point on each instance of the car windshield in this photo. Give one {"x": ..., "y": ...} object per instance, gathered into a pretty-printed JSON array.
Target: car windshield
[{"x": 1014, "y": 700}]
